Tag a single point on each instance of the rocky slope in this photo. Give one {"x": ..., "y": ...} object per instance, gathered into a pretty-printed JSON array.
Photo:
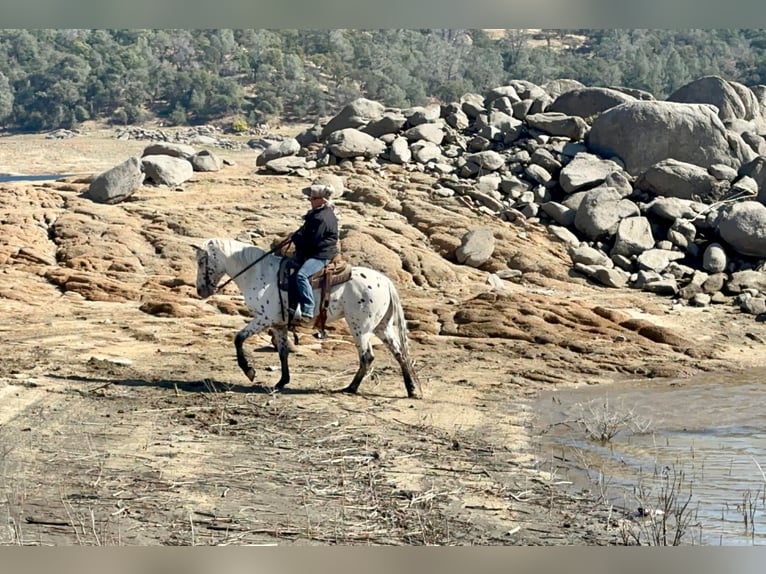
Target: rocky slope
[{"x": 128, "y": 421}]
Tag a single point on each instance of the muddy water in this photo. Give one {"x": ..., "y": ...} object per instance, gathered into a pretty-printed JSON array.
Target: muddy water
[{"x": 705, "y": 435}]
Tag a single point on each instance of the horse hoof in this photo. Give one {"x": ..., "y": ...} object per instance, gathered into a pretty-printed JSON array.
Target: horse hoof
[
  {"x": 250, "y": 374},
  {"x": 348, "y": 390}
]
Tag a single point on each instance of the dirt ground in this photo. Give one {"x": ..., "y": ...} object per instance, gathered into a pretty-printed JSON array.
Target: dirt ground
[{"x": 124, "y": 419}]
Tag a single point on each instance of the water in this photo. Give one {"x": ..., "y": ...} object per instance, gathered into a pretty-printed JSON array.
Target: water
[
  {"x": 706, "y": 436},
  {"x": 4, "y": 178}
]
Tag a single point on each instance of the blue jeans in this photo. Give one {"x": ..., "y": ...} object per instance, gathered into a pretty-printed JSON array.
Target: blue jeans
[{"x": 305, "y": 293}]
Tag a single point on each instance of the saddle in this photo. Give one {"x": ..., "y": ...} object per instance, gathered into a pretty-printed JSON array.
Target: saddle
[{"x": 337, "y": 271}]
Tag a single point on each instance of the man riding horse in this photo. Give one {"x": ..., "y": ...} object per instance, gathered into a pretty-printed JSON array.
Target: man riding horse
[{"x": 316, "y": 243}]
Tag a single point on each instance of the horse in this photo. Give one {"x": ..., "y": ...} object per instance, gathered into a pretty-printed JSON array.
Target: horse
[{"x": 368, "y": 301}]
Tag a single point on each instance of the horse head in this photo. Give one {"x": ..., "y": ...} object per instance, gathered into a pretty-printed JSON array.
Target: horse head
[{"x": 210, "y": 269}]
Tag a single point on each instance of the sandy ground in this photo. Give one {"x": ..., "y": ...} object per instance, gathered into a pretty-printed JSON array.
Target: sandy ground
[{"x": 122, "y": 426}]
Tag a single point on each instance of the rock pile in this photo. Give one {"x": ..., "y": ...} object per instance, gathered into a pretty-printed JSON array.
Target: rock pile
[
  {"x": 169, "y": 164},
  {"x": 664, "y": 196},
  {"x": 196, "y": 135}
]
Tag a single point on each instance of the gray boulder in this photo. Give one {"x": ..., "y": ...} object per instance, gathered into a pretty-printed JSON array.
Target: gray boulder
[
  {"x": 350, "y": 142},
  {"x": 743, "y": 226},
  {"x": 559, "y": 124},
  {"x": 601, "y": 211},
  {"x": 486, "y": 160},
  {"x": 422, "y": 114},
  {"x": 476, "y": 247},
  {"x": 734, "y": 101},
  {"x": 278, "y": 149},
  {"x": 746, "y": 280},
  {"x": 634, "y": 236},
  {"x": 586, "y": 102},
  {"x": 289, "y": 164},
  {"x": 714, "y": 258},
  {"x": 180, "y": 150},
  {"x": 756, "y": 170},
  {"x": 390, "y": 123},
  {"x": 205, "y": 160},
  {"x": 585, "y": 170},
  {"x": 166, "y": 170},
  {"x": 555, "y": 88},
  {"x": 428, "y": 131},
  {"x": 118, "y": 183},
  {"x": 358, "y": 113},
  {"x": 673, "y": 178},
  {"x": 642, "y": 133},
  {"x": 400, "y": 151}
]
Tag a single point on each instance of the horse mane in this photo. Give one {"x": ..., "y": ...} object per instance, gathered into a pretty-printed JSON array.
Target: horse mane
[{"x": 241, "y": 252}]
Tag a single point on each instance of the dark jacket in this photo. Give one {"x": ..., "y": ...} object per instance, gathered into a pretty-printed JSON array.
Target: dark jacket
[{"x": 318, "y": 236}]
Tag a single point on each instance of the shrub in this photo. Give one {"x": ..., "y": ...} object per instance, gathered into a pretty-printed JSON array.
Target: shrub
[{"x": 239, "y": 125}]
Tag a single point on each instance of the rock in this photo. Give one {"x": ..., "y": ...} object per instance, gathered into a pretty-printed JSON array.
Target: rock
[
  {"x": 356, "y": 114},
  {"x": 351, "y": 143},
  {"x": 166, "y": 170},
  {"x": 178, "y": 150},
  {"x": 601, "y": 211},
  {"x": 691, "y": 133},
  {"x": 205, "y": 160},
  {"x": 588, "y": 101},
  {"x": 672, "y": 178},
  {"x": 714, "y": 258},
  {"x": 476, "y": 247},
  {"x": 118, "y": 183},
  {"x": 585, "y": 170},
  {"x": 743, "y": 227},
  {"x": 633, "y": 237}
]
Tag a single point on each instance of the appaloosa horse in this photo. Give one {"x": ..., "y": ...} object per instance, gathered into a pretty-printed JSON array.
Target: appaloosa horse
[{"x": 368, "y": 302}]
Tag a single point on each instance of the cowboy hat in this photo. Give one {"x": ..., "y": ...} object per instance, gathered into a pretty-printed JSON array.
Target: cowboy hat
[{"x": 318, "y": 190}]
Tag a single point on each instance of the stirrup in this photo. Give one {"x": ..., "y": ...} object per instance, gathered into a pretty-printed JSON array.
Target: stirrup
[{"x": 296, "y": 316}]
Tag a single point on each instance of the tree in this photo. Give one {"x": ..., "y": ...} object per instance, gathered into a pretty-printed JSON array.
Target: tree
[{"x": 6, "y": 98}]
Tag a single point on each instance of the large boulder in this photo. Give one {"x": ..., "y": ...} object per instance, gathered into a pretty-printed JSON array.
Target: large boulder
[
  {"x": 184, "y": 151},
  {"x": 277, "y": 149},
  {"x": 743, "y": 226},
  {"x": 205, "y": 160},
  {"x": 558, "y": 124},
  {"x": 349, "y": 143},
  {"x": 672, "y": 178},
  {"x": 166, "y": 170},
  {"x": 358, "y": 113},
  {"x": 117, "y": 183},
  {"x": 734, "y": 101},
  {"x": 601, "y": 211},
  {"x": 642, "y": 133},
  {"x": 555, "y": 88},
  {"x": 586, "y": 102},
  {"x": 585, "y": 171}
]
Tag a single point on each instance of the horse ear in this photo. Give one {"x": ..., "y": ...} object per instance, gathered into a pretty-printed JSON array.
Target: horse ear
[{"x": 196, "y": 247}]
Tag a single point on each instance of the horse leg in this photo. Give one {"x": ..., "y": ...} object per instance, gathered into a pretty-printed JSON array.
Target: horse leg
[
  {"x": 366, "y": 357},
  {"x": 391, "y": 340},
  {"x": 253, "y": 327},
  {"x": 280, "y": 340}
]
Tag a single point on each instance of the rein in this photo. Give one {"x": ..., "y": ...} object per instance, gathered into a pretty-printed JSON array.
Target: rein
[{"x": 249, "y": 265}]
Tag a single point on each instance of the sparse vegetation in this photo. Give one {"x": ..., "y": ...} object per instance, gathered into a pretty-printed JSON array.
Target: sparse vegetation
[
  {"x": 665, "y": 515},
  {"x": 602, "y": 421}
]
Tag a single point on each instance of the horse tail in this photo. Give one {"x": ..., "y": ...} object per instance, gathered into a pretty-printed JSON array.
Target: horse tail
[{"x": 396, "y": 316}]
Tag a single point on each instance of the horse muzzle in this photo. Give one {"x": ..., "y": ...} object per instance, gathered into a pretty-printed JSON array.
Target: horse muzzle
[{"x": 205, "y": 291}]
